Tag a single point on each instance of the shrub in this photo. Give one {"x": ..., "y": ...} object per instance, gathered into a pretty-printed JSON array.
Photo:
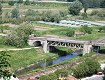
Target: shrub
[
  {"x": 75, "y": 8},
  {"x": 44, "y": 77},
  {"x": 70, "y": 32},
  {"x": 86, "y": 29},
  {"x": 14, "y": 40},
  {"x": 11, "y": 3},
  {"x": 87, "y": 68},
  {"x": 52, "y": 76},
  {"x": 61, "y": 73},
  {"x": 27, "y": 2}
]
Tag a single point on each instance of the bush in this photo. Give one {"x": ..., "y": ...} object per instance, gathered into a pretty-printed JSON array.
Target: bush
[
  {"x": 49, "y": 17},
  {"x": 44, "y": 77},
  {"x": 20, "y": 36},
  {"x": 11, "y": 3},
  {"x": 61, "y": 73},
  {"x": 14, "y": 40},
  {"x": 70, "y": 32},
  {"x": 85, "y": 29},
  {"x": 52, "y": 76},
  {"x": 27, "y": 2},
  {"x": 87, "y": 68}
]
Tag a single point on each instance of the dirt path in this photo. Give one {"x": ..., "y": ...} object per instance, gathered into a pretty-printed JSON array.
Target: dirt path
[{"x": 17, "y": 49}]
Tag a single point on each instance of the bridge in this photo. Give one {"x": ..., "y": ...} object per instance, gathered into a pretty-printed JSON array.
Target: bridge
[{"x": 86, "y": 46}]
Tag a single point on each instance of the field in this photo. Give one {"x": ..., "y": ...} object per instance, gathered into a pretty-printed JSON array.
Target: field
[
  {"x": 24, "y": 58},
  {"x": 37, "y": 6}
]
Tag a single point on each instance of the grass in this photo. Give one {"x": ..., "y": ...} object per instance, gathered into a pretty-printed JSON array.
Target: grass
[
  {"x": 55, "y": 7},
  {"x": 20, "y": 59},
  {"x": 92, "y": 36}
]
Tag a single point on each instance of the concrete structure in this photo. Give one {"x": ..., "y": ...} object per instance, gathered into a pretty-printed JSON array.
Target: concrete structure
[
  {"x": 86, "y": 46},
  {"x": 47, "y": 42}
]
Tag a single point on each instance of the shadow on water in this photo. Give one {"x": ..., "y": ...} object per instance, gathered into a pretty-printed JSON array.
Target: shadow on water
[{"x": 59, "y": 51}]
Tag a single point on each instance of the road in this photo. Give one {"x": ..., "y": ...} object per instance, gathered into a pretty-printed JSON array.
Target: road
[{"x": 94, "y": 77}]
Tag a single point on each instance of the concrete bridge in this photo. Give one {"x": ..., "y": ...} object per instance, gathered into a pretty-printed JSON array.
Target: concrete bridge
[{"x": 86, "y": 46}]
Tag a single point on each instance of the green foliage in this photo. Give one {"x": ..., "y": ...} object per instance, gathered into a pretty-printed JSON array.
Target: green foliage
[
  {"x": 1, "y": 8},
  {"x": 52, "y": 76},
  {"x": 48, "y": 16},
  {"x": 2, "y": 28},
  {"x": 11, "y": 3},
  {"x": 14, "y": 40},
  {"x": 86, "y": 29},
  {"x": 87, "y": 68},
  {"x": 61, "y": 73},
  {"x": 84, "y": 15},
  {"x": 20, "y": 36},
  {"x": 4, "y": 65},
  {"x": 94, "y": 66},
  {"x": 44, "y": 77},
  {"x": 20, "y": 1},
  {"x": 30, "y": 12},
  {"x": 24, "y": 31},
  {"x": 15, "y": 13},
  {"x": 101, "y": 29},
  {"x": 70, "y": 32},
  {"x": 27, "y": 2},
  {"x": 103, "y": 4},
  {"x": 75, "y": 8}
]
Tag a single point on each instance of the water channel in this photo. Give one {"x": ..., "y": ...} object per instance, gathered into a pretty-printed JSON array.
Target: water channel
[{"x": 45, "y": 63}]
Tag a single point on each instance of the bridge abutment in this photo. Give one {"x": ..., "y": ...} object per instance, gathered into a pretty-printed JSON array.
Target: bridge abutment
[{"x": 87, "y": 48}]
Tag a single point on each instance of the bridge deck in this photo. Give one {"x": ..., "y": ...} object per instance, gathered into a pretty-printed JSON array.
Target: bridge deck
[
  {"x": 99, "y": 42},
  {"x": 58, "y": 40}
]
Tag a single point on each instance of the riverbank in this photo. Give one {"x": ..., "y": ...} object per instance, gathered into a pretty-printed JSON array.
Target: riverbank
[
  {"x": 65, "y": 65},
  {"x": 24, "y": 58}
]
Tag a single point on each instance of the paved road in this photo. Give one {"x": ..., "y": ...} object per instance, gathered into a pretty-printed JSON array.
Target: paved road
[{"x": 94, "y": 77}]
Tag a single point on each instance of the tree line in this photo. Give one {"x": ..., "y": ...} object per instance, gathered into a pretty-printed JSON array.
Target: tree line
[{"x": 92, "y": 3}]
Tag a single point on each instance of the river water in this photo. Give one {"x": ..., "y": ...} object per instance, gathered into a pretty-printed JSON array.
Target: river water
[
  {"x": 45, "y": 63},
  {"x": 64, "y": 58}
]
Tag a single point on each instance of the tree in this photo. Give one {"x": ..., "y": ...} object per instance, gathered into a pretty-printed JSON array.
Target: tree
[
  {"x": 11, "y": 3},
  {"x": 19, "y": 37},
  {"x": 14, "y": 40},
  {"x": 103, "y": 4},
  {"x": 0, "y": 9},
  {"x": 75, "y": 8},
  {"x": 20, "y": 1},
  {"x": 24, "y": 30},
  {"x": 15, "y": 13},
  {"x": 4, "y": 65},
  {"x": 27, "y": 2},
  {"x": 30, "y": 12}
]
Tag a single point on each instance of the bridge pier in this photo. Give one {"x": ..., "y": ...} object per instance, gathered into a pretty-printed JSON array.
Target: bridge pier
[
  {"x": 45, "y": 47},
  {"x": 87, "y": 48}
]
